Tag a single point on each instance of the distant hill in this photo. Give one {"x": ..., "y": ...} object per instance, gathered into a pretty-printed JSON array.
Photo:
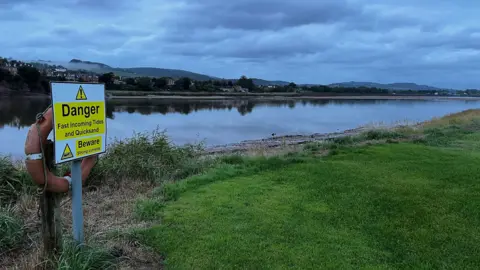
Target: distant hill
[
  {"x": 154, "y": 72},
  {"x": 136, "y": 72},
  {"x": 177, "y": 73},
  {"x": 100, "y": 65},
  {"x": 265, "y": 82},
  {"x": 390, "y": 86},
  {"x": 163, "y": 72}
]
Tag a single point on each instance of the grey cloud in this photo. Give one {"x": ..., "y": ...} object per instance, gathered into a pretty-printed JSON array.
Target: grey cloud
[
  {"x": 104, "y": 7},
  {"x": 371, "y": 21},
  {"x": 8, "y": 3},
  {"x": 97, "y": 3},
  {"x": 102, "y": 33},
  {"x": 261, "y": 15},
  {"x": 65, "y": 37},
  {"x": 247, "y": 45},
  {"x": 345, "y": 39},
  {"x": 115, "y": 31},
  {"x": 248, "y": 51},
  {"x": 13, "y": 16},
  {"x": 107, "y": 6},
  {"x": 468, "y": 38},
  {"x": 46, "y": 41},
  {"x": 194, "y": 34},
  {"x": 65, "y": 31}
]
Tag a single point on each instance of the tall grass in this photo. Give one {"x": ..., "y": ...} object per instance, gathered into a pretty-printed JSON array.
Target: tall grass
[
  {"x": 148, "y": 157},
  {"x": 11, "y": 229},
  {"x": 14, "y": 181},
  {"x": 380, "y": 134},
  {"x": 84, "y": 257}
]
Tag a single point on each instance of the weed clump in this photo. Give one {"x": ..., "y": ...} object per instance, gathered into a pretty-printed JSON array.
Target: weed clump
[
  {"x": 149, "y": 209},
  {"x": 382, "y": 134},
  {"x": 332, "y": 145},
  {"x": 11, "y": 229},
  {"x": 347, "y": 140},
  {"x": 444, "y": 136},
  {"x": 85, "y": 257}
]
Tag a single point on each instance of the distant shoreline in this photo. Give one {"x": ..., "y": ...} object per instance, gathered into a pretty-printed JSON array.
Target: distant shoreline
[
  {"x": 143, "y": 95},
  {"x": 292, "y": 97}
]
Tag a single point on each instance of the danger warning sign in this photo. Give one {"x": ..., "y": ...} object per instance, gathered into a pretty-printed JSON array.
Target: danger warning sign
[
  {"x": 79, "y": 118},
  {"x": 81, "y": 94}
]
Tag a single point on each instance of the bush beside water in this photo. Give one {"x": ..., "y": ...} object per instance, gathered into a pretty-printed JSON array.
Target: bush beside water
[{"x": 148, "y": 157}]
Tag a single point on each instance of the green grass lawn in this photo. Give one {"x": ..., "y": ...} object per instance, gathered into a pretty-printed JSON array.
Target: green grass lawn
[{"x": 390, "y": 206}]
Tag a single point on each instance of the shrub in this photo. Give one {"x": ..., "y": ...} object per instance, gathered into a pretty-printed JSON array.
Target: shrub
[
  {"x": 379, "y": 134},
  {"x": 346, "y": 140},
  {"x": 148, "y": 157}
]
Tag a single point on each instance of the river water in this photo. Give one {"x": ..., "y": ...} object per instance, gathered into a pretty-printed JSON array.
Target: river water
[{"x": 229, "y": 121}]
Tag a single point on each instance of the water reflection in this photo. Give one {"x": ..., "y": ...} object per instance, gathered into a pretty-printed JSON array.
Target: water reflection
[
  {"x": 21, "y": 112},
  {"x": 146, "y": 107}
]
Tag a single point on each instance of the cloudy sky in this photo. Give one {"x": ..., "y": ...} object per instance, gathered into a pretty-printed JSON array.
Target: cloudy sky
[{"x": 434, "y": 42}]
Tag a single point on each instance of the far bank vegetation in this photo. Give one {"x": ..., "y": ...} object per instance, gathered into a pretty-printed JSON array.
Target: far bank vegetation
[{"x": 32, "y": 78}]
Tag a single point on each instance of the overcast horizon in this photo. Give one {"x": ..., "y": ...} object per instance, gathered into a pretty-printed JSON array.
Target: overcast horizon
[{"x": 320, "y": 42}]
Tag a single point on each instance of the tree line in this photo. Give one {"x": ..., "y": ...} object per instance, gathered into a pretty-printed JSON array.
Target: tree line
[
  {"x": 29, "y": 79},
  {"x": 245, "y": 84}
]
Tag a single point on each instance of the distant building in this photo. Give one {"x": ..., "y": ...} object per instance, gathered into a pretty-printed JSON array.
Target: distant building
[
  {"x": 71, "y": 76},
  {"x": 12, "y": 70},
  {"x": 170, "y": 81},
  {"x": 116, "y": 81},
  {"x": 227, "y": 89},
  {"x": 238, "y": 88}
]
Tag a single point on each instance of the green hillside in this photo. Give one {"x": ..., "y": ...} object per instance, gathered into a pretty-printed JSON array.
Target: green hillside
[
  {"x": 390, "y": 86},
  {"x": 163, "y": 72},
  {"x": 155, "y": 72}
]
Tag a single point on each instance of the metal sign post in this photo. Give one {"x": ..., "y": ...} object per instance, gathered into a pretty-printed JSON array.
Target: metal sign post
[
  {"x": 79, "y": 124},
  {"x": 77, "y": 211}
]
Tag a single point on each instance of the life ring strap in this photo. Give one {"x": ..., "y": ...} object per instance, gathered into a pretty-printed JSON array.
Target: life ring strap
[
  {"x": 36, "y": 156},
  {"x": 69, "y": 179}
]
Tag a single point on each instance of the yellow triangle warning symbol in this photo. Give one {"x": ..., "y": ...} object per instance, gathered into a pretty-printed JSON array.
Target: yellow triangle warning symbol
[
  {"x": 81, "y": 94},
  {"x": 67, "y": 153}
]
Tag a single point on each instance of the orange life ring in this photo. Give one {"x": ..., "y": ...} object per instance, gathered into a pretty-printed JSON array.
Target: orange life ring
[{"x": 35, "y": 166}]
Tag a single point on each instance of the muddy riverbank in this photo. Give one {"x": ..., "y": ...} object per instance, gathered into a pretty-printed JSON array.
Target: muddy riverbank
[{"x": 280, "y": 141}]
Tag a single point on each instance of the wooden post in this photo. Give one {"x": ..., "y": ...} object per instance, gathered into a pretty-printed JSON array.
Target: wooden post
[{"x": 50, "y": 212}]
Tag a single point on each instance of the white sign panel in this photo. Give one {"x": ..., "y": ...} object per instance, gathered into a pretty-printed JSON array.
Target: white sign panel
[{"x": 79, "y": 120}]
